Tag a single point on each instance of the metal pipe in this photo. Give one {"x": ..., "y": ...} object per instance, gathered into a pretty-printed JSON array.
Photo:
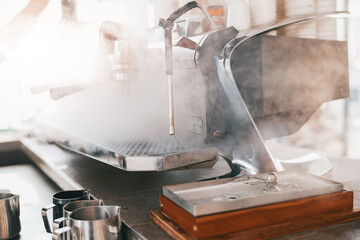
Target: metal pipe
[
  {"x": 169, "y": 74},
  {"x": 168, "y": 26},
  {"x": 171, "y": 105}
]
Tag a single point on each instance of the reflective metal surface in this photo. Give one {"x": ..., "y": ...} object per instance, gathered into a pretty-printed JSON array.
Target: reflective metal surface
[
  {"x": 69, "y": 208},
  {"x": 60, "y": 199},
  {"x": 142, "y": 156},
  {"x": 9, "y": 215},
  {"x": 72, "y": 206},
  {"x": 209, "y": 197},
  {"x": 93, "y": 223},
  {"x": 255, "y": 158}
]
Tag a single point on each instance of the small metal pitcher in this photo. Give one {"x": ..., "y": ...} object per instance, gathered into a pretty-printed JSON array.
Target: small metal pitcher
[
  {"x": 60, "y": 199},
  {"x": 68, "y": 209},
  {"x": 9, "y": 215},
  {"x": 93, "y": 223}
]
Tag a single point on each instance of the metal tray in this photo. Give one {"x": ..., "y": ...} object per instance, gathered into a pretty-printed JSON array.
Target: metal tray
[
  {"x": 146, "y": 155},
  {"x": 222, "y": 195}
]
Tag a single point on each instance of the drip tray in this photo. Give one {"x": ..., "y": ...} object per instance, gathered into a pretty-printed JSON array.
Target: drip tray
[
  {"x": 143, "y": 154},
  {"x": 216, "y": 196},
  {"x": 193, "y": 158}
]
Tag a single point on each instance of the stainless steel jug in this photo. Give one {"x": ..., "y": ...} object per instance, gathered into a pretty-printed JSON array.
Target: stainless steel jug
[
  {"x": 60, "y": 199},
  {"x": 93, "y": 223},
  {"x": 69, "y": 208},
  {"x": 9, "y": 215}
]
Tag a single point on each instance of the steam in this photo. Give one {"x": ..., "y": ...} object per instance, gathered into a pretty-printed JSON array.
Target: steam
[
  {"x": 135, "y": 109},
  {"x": 134, "y": 106},
  {"x": 130, "y": 109}
]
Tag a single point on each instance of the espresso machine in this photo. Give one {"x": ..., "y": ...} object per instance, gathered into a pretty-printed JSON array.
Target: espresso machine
[
  {"x": 218, "y": 94},
  {"x": 180, "y": 99}
]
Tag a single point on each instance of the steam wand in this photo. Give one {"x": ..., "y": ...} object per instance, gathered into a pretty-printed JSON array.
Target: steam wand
[{"x": 168, "y": 26}]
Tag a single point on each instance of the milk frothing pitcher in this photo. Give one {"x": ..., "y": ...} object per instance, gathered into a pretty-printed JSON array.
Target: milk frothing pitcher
[{"x": 9, "y": 215}]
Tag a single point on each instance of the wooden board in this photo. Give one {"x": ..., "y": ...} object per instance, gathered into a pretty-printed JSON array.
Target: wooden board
[
  {"x": 260, "y": 222},
  {"x": 228, "y": 222}
]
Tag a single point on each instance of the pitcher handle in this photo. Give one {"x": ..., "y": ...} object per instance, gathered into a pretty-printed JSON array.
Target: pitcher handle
[
  {"x": 57, "y": 222},
  {"x": 59, "y": 232},
  {"x": 45, "y": 218}
]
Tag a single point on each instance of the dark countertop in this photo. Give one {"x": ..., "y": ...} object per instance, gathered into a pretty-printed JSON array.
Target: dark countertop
[
  {"x": 35, "y": 192},
  {"x": 137, "y": 193}
]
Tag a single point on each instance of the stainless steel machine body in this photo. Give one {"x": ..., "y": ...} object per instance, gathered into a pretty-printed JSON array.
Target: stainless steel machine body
[{"x": 230, "y": 90}]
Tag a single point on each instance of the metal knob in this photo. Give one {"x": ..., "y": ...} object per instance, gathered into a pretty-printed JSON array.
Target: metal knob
[{"x": 271, "y": 182}]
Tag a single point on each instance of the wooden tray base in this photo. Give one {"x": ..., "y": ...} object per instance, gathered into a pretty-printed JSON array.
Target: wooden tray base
[{"x": 275, "y": 226}]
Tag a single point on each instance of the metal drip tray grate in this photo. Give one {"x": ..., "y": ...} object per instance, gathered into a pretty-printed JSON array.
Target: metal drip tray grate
[
  {"x": 145, "y": 155},
  {"x": 149, "y": 147}
]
